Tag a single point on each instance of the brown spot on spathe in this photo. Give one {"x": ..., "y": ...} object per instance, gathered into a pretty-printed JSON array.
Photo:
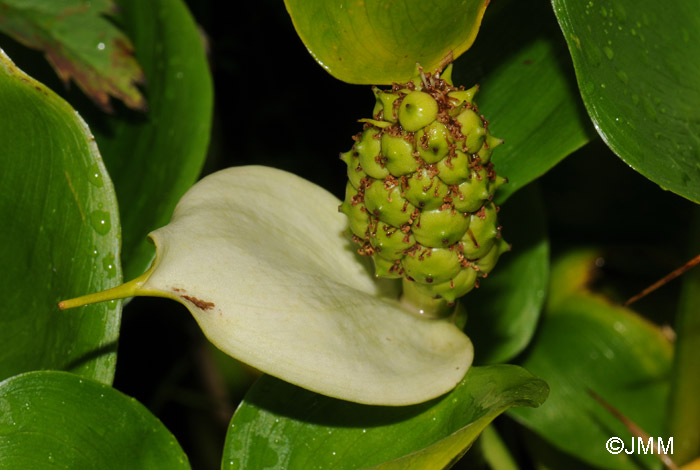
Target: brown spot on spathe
[{"x": 203, "y": 304}]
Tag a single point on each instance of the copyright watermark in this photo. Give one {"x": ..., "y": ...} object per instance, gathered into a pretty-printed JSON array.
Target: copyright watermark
[{"x": 616, "y": 445}]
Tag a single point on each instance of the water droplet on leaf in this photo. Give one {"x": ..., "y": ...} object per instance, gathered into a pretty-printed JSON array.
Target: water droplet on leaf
[
  {"x": 100, "y": 221},
  {"x": 109, "y": 266},
  {"x": 623, "y": 78}
]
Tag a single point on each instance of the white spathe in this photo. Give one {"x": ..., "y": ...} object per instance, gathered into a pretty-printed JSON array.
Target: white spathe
[{"x": 260, "y": 258}]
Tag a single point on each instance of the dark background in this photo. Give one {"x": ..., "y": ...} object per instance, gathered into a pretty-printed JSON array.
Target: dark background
[
  {"x": 592, "y": 198},
  {"x": 274, "y": 105}
]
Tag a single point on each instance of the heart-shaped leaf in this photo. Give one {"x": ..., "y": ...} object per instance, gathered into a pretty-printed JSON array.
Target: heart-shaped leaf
[
  {"x": 154, "y": 159},
  {"x": 80, "y": 43},
  {"x": 585, "y": 344},
  {"x": 637, "y": 65},
  {"x": 279, "y": 425},
  {"x": 376, "y": 42},
  {"x": 260, "y": 258},
  {"x": 528, "y": 91},
  {"x": 53, "y": 419},
  {"x": 61, "y": 235}
]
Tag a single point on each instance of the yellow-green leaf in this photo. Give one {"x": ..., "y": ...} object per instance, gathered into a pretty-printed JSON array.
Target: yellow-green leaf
[
  {"x": 279, "y": 426},
  {"x": 380, "y": 42}
]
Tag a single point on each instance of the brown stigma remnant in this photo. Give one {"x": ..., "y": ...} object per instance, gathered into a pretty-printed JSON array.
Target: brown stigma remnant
[{"x": 203, "y": 304}]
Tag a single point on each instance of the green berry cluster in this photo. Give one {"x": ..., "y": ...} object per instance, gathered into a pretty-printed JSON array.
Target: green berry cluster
[{"x": 421, "y": 184}]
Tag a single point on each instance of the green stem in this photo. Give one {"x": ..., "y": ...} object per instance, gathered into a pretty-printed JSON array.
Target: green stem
[
  {"x": 684, "y": 406},
  {"x": 418, "y": 302},
  {"x": 495, "y": 451},
  {"x": 129, "y": 289}
]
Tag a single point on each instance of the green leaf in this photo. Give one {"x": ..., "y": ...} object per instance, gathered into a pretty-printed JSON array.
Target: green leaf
[
  {"x": 282, "y": 426},
  {"x": 504, "y": 310},
  {"x": 528, "y": 91},
  {"x": 547, "y": 457},
  {"x": 80, "y": 43},
  {"x": 154, "y": 159},
  {"x": 585, "y": 344},
  {"x": 60, "y": 237},
  {"x": 376, "y": 42},
  {"x": 53, "y": 419},
  {"x": 684, "y": 407},
  {"x": 637, "y": 66},
  {"x": 260, "y": 258}
]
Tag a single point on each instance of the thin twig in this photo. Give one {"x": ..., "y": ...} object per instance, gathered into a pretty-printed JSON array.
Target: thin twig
[
  {"x": 664, "y": 280},
  {"x": 635, "y": 430}
]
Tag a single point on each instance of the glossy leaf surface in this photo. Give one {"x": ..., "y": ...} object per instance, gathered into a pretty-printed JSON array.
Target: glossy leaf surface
[
  {"x": 282, "y": 426},
  {"x": 60, "y": 236},
  {"x": 261, "y": 259},
  {"x": 53, "y": 419},
  {"x": 154, "y": 159},
  {"x": 80, "y": 43},
  {"x": 376, "y": 42},
  {"x": 585, "y": 344},
  {"x": 528, "y": 91},
  {"x": 637, "y": 64}
]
